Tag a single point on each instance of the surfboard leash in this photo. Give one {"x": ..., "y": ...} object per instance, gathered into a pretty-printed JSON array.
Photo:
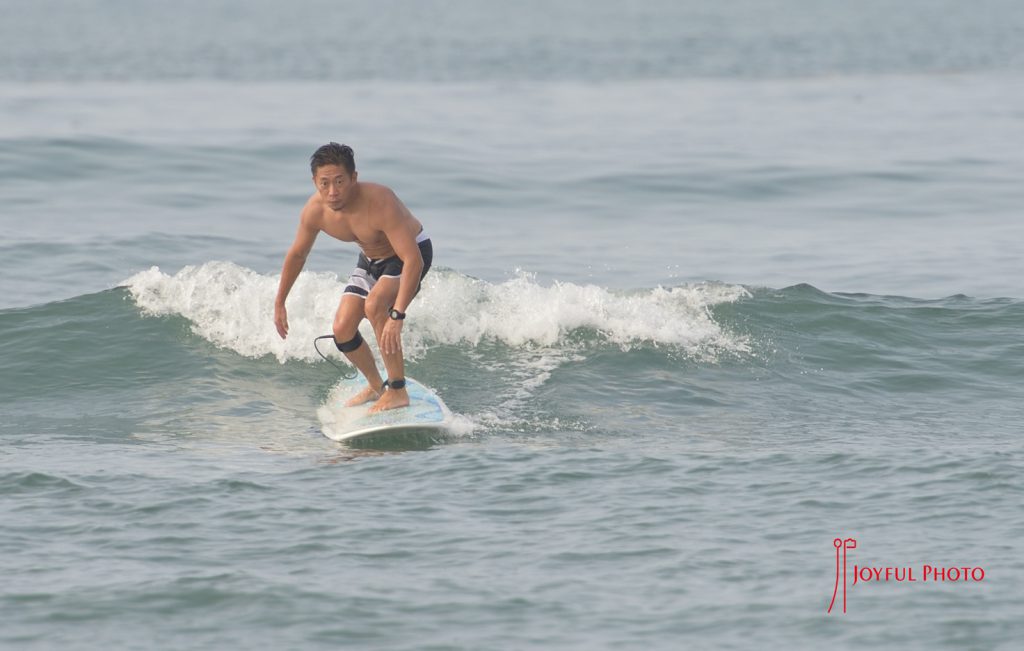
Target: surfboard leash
[{"x": 344, "y": 371}]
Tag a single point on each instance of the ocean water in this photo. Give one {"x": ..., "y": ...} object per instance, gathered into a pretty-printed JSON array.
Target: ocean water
[{"x": 714, "y": 286}]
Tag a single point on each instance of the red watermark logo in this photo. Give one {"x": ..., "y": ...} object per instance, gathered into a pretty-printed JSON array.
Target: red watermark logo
[
  {"x": 905, "y": 574},
  {"x": 849, "y": 543}
]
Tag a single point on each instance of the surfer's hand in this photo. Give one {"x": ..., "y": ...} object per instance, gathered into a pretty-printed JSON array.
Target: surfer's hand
[
  {"x": 391, "y": 337},
  {"x": 281, "y": 320}
]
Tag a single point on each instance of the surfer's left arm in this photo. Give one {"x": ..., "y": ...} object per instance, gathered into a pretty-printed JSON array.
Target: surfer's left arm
[{"x": 397, "y": 223}]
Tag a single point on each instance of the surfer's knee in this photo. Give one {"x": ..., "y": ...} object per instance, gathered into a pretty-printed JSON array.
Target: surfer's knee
[
  {"x": 348, "y": 317},
  {"x": 344, "y": 330},
  {"x": 376, "y": 310}
]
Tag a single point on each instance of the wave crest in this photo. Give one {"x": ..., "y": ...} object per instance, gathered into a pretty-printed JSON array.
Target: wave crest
[{"x": 232, "y": 307}]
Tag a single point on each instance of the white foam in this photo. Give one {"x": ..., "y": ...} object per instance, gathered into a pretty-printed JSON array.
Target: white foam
[
  {"x": 519, "y": 312},
  {"x": 232, "y": 307}
]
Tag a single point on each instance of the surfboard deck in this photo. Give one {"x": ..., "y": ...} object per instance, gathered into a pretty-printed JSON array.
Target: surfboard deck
[{"x": 426, "y": 412}]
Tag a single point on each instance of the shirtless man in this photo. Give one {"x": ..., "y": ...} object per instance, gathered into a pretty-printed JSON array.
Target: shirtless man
[{"x": 396, "y": 254}]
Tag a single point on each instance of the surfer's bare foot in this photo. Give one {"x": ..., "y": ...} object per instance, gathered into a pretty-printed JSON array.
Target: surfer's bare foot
[
  {"x": 363, "y": 397},
  {"x": 391, "y": 399}
]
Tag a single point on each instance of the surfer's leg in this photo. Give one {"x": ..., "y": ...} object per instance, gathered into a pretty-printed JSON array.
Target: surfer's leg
[
  {"x": 346, "y": 336},
  {"x": 379, "y": 301}
]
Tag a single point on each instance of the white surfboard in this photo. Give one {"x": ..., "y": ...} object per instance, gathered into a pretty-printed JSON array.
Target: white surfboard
[{"x": 426, "y": 412}]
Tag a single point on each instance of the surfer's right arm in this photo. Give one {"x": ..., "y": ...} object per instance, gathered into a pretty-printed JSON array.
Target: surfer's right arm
[{"x": 294, "y": 260}]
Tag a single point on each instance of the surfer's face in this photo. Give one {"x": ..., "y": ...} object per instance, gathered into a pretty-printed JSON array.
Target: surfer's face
[{"x": 335, "y": 185}]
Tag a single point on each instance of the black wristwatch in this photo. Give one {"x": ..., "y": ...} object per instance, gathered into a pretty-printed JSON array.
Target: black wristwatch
[{"x": 396, "y": 315}]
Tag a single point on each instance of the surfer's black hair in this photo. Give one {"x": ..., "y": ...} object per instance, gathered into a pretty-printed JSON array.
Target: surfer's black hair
[{"x": 333, "y": 154}]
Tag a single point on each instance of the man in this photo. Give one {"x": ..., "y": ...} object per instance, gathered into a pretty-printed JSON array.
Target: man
[{"x": 396, "y": 254}]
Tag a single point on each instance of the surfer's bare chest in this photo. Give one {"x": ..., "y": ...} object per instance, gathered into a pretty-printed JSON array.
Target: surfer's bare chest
[{"x": 355, "y": 227}]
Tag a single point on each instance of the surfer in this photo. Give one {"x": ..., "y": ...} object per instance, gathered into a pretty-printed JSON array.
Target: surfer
[{"x": 395, "y": 255}]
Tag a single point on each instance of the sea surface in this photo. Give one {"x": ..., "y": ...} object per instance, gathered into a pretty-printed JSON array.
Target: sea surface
[{"x": 715, "y": 284}]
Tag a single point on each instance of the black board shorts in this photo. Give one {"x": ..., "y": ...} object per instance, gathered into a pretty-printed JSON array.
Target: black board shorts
[{"x": 368, "y": 272}]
